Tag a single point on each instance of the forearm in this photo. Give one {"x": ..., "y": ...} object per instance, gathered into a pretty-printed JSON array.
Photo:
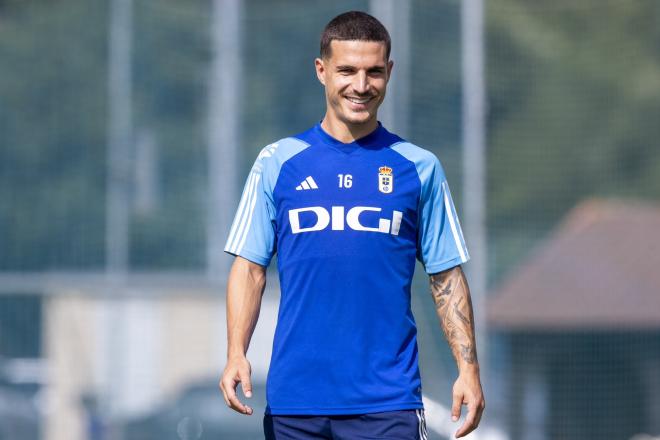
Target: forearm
[
  {"x": 245, "y": 288},
  {"x": 451, "y": 295}
]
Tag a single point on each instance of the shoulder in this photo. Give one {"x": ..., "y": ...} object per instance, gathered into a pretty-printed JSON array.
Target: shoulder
[
  {"x": 426, "y": 162},
  {"x": 272, "y": 156}
]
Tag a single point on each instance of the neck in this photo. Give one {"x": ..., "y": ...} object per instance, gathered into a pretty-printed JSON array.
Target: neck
[{"x": 346, "y": 132}]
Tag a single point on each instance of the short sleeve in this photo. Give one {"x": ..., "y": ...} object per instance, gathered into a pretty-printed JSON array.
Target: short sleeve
[
  {"x": 252, "y": 234},
  {"x": 441, "y": 244}
]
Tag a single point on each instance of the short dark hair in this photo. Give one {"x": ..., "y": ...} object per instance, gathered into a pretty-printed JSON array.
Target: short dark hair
[{"x": 354, "y": 25}]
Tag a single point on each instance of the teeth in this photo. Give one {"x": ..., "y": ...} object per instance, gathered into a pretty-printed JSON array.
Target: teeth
[{"x": 359, "y": 101}]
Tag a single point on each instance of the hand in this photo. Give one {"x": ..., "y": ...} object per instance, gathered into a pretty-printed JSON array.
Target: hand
[
  {"x": 467, "y": 391},
  {"x": 237, "y": 370}
]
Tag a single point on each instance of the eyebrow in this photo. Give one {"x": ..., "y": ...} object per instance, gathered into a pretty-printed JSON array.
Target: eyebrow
[{"x": 349, "y": 67}]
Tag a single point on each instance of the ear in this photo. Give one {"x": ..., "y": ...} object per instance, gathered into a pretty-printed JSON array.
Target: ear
[
  {"x": 390, "y": 65},
  {"x": 320, "y": 70}
]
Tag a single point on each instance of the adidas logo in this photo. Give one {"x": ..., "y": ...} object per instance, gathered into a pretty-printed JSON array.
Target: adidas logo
[{"x": 308, "y": 183}]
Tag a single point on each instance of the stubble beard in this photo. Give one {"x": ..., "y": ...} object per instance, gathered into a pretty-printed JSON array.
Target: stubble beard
[{"x": 349, "y": 117}]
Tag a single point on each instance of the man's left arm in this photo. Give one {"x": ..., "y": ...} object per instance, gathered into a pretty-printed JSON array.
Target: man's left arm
[{"x": 454, "y": 307}]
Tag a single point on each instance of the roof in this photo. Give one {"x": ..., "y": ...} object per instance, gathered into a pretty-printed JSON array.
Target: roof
[{"x": 599, "y": 271}]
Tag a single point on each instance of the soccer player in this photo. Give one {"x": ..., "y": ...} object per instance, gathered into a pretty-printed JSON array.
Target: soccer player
[{"x": 348, "y": 207}]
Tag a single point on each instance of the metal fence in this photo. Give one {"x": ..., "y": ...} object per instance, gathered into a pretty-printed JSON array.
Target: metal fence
[{"x": 128, "y": 126}]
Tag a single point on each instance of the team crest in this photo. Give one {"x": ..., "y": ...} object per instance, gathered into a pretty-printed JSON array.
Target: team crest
[{"x": 385, "y": 180}]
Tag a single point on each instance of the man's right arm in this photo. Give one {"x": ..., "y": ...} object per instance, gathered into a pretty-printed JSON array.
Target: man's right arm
[{"x": 245, "y": 288}]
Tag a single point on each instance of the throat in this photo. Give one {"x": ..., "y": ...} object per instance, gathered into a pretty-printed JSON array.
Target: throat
[{"x": 347, "y": 132}]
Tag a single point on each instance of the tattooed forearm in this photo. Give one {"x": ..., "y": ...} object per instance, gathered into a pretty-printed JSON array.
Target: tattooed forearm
[
  {"x": 440, "y": 292},
  {"x": 452, "y": 300},
  {"x": 468, "y": 353},
  {"x": 457, "y": 311}
]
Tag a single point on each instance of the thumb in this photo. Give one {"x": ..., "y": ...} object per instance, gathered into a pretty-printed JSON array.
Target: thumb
[
  {"x": 456, "y": 406},
  {"x": 246, "y": 384}
]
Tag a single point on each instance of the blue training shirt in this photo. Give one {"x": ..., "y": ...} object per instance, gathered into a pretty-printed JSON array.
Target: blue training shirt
[{"x": 347, "y": 222}]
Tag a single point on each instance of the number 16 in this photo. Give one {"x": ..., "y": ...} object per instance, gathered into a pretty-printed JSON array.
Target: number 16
[{"x": 345, "y": 180}]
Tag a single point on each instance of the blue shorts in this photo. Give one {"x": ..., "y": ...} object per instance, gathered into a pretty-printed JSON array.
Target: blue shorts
[{"x": 390, "y": 425}]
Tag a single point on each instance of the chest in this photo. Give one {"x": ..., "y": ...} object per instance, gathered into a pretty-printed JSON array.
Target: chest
[{"x": 370, "y": 191}]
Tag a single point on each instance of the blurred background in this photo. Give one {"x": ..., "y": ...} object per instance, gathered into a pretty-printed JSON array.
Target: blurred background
[{"x": 127, "y": 128}]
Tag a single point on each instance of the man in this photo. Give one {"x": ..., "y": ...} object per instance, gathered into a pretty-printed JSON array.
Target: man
[{"x": 348, "y": 206}]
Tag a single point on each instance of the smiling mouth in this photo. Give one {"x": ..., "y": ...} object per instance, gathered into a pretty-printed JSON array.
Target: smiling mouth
[{"x": 359, "y": 101}]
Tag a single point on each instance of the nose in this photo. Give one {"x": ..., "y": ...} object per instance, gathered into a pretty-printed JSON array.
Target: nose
[{"x": 361, "y": 83}]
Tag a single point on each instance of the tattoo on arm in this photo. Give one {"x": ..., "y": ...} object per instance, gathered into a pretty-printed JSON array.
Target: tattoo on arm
[{"x": 452, "y": 300}]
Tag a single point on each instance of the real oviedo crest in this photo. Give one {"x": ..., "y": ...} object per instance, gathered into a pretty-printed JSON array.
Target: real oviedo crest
[{"x": 385, "y": 179}]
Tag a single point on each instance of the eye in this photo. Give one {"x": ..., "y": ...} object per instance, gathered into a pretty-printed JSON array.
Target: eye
[{"x": 345, "y": 70}]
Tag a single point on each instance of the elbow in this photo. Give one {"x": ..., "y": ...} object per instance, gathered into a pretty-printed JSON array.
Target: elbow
[{"x": 254, "y": 272}]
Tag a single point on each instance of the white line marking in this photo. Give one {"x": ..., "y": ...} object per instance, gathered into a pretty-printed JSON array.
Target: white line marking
[
  {"x": 245, "y": 215},
  {"x": 239, "y": 212},
  {"x": 249, "y": 222},
  {"x": 311, "y": 182},
  {"x": 452, "y": 223},
  {"x": 396, "y": 222},
  {"x": 419, "y": 425}
]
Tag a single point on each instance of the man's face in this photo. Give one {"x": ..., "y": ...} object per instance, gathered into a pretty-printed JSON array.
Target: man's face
[{"x": 355, "y": 77}]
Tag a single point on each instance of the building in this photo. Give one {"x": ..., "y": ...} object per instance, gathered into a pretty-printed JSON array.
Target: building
[{"x": 579, "y": 322}]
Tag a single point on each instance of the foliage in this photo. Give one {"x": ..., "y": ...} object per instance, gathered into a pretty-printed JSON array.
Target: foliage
[
  {"x": 573, "y": 96},
  {"x": 574, "y": 89}
]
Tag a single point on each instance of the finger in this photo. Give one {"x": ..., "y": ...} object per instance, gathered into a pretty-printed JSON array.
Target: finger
[
  {"x": 480, "y": 412},
  {"x": 229, "y": 386},
  {"x": 237, "y": 405},
  {"x": 246, "y": 384},
  {"x": 224, "y": 394},
  {"x": 469, "y": 423},
  {"x": 456, "y": 407}
]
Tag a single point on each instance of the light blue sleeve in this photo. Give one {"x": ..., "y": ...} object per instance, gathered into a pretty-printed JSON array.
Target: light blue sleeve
[
  {"x": 253, "y": 231},
  {"x": 440, "y": 241}
]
